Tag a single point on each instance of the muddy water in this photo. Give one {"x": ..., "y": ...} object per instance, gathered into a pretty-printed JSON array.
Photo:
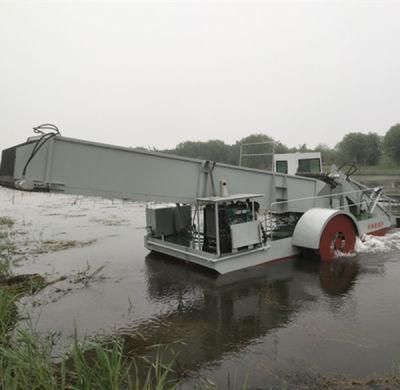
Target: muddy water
[{"x": 271, "y": 325}]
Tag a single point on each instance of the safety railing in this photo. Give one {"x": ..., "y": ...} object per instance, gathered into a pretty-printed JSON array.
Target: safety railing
[{"x": 374, "y": 198}]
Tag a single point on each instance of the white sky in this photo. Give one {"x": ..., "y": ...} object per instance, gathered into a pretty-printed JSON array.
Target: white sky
[{"x": 156, "y": 74}]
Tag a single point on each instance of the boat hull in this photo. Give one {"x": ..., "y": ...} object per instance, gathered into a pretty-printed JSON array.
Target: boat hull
[{"x": 274, "y": 251}]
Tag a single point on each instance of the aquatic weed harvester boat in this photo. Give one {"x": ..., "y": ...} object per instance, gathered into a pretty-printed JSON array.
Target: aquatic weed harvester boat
[{"x": 265, "y": 215}]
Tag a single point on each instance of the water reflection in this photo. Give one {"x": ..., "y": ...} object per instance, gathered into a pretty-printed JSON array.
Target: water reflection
[
  {"x": 217, "y": 315},
  {"x": 336, "y": 278}
]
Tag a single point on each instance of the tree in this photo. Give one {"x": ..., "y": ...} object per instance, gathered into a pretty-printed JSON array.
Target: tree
[
  {"x": 361, "y": 148},
  {"x": 391, "y": 143},
  {"x": 214, "y": 150},
  {"x": 329, "y": 155},
  {"x": 302, "y": 148}
]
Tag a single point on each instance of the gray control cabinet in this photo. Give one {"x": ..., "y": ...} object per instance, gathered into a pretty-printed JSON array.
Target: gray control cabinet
[{"x": 165, "y": 221}]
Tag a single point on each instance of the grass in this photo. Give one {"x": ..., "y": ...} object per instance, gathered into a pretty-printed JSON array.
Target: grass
[
  {"x": 383, "y": 170},
  {"x": 8, "y": 313},
  {"x": 22, "y": 284},
  {"x": 25, "y": 363},
  {"x": 7, "y": 246},
  {"x": 5, "y": 265},
  {"x": 26, "y": 360},
  {"x": 96, "y": 366},
  {"x": 158, "y": 374}
]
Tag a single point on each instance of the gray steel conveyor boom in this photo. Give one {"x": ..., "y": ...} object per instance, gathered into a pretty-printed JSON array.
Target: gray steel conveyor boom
[{"x": 73, "y": 166}]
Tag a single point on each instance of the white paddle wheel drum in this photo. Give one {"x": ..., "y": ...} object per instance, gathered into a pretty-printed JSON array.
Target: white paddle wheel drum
[{"x": 326, "y": 231}]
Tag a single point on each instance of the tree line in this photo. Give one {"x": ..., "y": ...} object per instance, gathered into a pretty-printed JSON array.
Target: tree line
[{"x": 363, "y": 149}]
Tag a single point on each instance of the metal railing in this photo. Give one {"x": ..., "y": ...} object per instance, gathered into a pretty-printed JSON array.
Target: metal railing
[
  {"x": 379, "y": 200},
  {"x": 269, "y": 153},
  {"x": 320, "y": 196}
]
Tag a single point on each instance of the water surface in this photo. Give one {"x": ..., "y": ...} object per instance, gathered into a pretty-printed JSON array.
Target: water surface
[{"x": 267, "y": 325}]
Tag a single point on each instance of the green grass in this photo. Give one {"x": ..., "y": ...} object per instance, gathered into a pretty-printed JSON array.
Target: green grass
[
  {"x": 382, "y": 170},
  {"x": 7, "y": 246},
  {"x": 96, "y": 366},
  {"x": 25, "y": 363},
  {"x": 8, "y": 313}
]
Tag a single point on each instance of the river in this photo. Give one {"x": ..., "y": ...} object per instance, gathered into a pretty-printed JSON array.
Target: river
[{"x": 290, "y": 323}]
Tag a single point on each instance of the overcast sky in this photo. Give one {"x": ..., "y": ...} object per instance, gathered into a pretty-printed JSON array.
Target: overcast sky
[{"x": 156, "y": 74}]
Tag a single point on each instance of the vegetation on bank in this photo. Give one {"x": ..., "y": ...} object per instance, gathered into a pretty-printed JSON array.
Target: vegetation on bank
[{"x": 366, "y": 150}]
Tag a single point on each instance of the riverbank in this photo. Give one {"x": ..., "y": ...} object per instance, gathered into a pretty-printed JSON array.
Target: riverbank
[
  {"x": 386, "y": 176},
  {"x": 389, "y": 181}
]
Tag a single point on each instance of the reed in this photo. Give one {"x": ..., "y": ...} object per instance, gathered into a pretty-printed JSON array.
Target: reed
[{"x": 26, "y": 362}]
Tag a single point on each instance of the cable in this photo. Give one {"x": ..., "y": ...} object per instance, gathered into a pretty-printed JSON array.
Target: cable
[
  {"x": 46, "y": 126},
  {"x": 41, "y": 141}
]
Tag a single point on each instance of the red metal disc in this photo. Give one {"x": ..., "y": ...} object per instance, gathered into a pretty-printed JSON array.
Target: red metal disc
[{"x": 338, "y": 235}]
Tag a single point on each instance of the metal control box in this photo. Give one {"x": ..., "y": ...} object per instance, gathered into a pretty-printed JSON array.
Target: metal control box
[{"x": 165, "y": 221}]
